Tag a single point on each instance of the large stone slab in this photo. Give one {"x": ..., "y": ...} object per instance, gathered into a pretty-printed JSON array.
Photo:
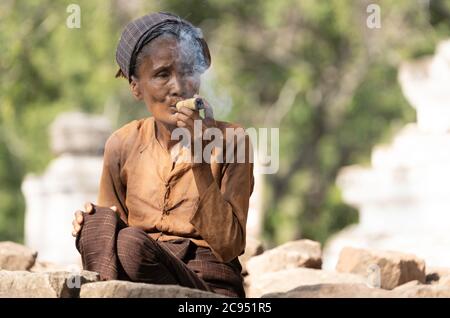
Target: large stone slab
[
  {"x": 16, "y": 257},
  {"x": 333, "y": 291},
  {"x": 123, "y": 289},
  {"x": 302, "y": 253},
  {"x": 285, "y": 280},
  {"x": 21, "y": 284},
  {"x": 391, "y": 268}
]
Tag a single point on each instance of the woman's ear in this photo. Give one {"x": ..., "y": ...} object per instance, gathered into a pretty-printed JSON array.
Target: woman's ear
[{"x": 135, "y": 89}]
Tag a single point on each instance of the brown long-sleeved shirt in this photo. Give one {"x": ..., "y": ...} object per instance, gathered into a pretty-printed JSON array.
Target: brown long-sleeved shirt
[{"x": 207, "y": 203}]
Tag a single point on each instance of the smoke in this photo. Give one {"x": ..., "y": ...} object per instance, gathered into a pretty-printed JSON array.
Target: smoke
[
  {"x": 192, "y": 54},
  {"x": 191, "y": 51},
  {"x": 217, "y": 96}
]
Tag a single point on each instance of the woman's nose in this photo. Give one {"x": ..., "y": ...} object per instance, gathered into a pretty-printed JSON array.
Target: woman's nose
[{"x": 177, "y": 87}]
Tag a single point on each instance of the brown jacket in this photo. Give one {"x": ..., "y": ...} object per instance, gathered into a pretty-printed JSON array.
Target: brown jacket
[{"x": 207, "y": 203}]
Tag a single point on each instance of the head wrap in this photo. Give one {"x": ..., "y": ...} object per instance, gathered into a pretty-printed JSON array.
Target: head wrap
[{"x": 139, "y": 32}]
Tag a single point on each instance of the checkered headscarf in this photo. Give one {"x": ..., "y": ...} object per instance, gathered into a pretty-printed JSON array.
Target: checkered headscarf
[{"x": 139, "y": 32}]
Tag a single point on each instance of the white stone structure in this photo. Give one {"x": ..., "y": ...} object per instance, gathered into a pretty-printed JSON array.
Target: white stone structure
[
  {"x": 404, "y": 197},
  {"x": 69, "y": 181}
]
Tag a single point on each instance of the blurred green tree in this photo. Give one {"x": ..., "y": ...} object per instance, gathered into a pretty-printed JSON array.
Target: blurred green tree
[{"x": 47, "y": 68}]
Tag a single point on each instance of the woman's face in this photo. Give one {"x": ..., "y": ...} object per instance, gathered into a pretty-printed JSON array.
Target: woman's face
[{"x": 165, "y": 77}]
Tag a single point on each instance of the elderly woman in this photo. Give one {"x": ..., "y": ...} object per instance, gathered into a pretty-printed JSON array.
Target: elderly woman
[{"x": 160, "y": 219}]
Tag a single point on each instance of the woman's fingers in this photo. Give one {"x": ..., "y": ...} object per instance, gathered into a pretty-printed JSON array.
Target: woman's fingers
[
  {"x": 185, "y": 118},
  {"x": 186, "y": 111},
  {"x": 76, "y": 227},
  {"x": 88, "y": 207},
  {"x": 185, "y": 122},
  {"x": 79, "y": 217},
  {"x": 77, "y": 222},
  {"x": 188, "y": 115}
]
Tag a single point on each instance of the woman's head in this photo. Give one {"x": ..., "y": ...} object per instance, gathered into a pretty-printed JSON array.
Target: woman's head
[{"x": 166, "y": 62}]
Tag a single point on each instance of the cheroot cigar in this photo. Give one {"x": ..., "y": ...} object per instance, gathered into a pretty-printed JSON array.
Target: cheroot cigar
[{"x": 192, "y": 103}]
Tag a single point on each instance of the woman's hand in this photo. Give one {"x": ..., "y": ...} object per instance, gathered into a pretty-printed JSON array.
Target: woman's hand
[
  {"x": 77, "y": 222},
  {"x": 186, "y": 118}
]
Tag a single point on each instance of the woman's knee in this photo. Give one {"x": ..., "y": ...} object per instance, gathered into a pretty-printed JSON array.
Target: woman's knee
[
  {"x": 96, "y": 242},
  {"x": 100, "y": 224},
  {"x": 100, "y": 215}
]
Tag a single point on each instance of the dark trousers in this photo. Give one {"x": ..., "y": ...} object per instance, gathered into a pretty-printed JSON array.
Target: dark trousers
[{"x": 116, "y": 251}]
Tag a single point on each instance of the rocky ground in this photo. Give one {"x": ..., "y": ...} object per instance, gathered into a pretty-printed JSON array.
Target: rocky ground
[{"x": 291, "y": 270}]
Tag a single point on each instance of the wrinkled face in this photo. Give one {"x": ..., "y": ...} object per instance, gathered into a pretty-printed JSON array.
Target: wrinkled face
[{"x": 165, "y": 77}]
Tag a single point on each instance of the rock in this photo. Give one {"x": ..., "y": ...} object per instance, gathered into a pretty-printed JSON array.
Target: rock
[
  {"x": 407, "y": 286},
  {"x": 414, "y": 289},
  {"x": 444, "y": 281},
  {"x": 16, "y": 257},
  {"x": 44, "y": 266},
  {"x": 285, "y": 280},
  {"x": 388, "y": 269},
  {"x": 363, "y": 291},
  {"x": 253, "y": 247},
  {"x": 333, "y": 291},
  {"x": 302, "y": 253},
  {"x": 21, "y": 284},
  {"x": 123, "y": 289}
]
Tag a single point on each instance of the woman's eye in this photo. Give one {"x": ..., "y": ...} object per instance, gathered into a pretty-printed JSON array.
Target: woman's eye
[{"x": 163, "y": 74}]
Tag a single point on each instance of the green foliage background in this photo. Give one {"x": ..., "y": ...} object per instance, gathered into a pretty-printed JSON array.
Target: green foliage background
[{"x": 311, "y": 68}]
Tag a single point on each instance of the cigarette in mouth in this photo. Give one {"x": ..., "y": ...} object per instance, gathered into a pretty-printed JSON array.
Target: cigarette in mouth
[{"x": 192, "y": 103}]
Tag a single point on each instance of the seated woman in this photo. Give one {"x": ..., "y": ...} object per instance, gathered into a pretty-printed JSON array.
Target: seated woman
[{"x": 160, "y": 219}]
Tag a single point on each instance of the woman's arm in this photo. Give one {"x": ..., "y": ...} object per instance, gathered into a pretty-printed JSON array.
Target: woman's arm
[
  {"x": 111, "y": 190},
  {"x": 221, "y": 215}
]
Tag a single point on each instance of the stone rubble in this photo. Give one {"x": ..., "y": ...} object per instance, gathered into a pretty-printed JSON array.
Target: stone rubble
[
  {"x": 291, "y": 270},
  {"x": 122, "y": 289}
]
